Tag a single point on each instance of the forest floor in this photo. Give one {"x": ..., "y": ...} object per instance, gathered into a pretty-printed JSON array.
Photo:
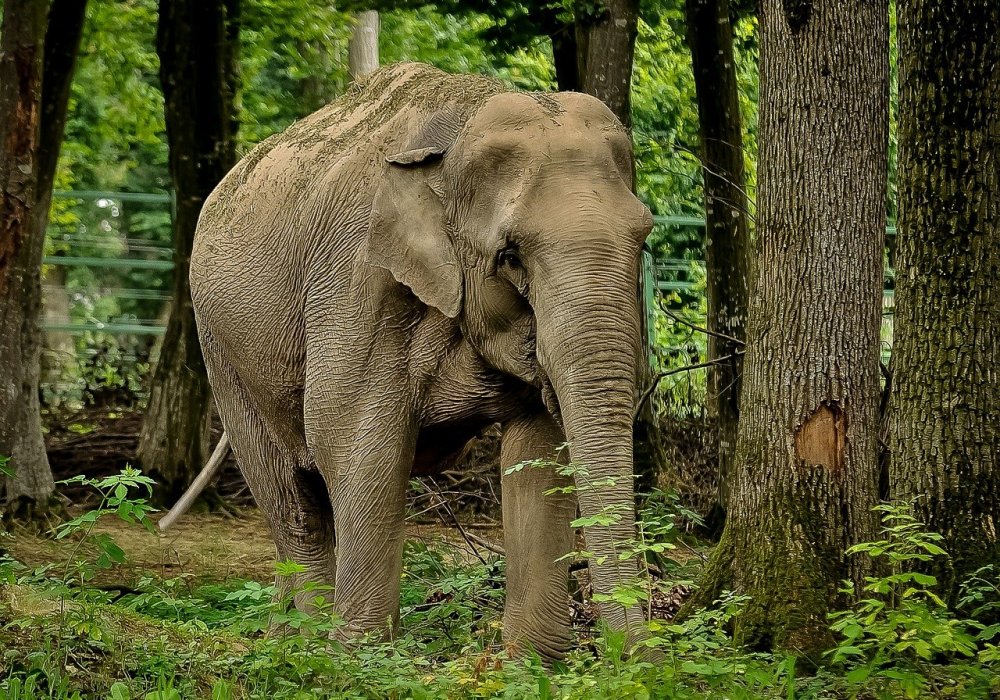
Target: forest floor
[
  {"x": 97, "y": 606},
  {"x": 208, "y": 547},
  {"x": 186, "y": 611}
]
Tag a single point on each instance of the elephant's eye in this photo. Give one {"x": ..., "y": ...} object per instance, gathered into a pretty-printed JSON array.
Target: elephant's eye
[
  {"x": 509, "y": 258},
  {"x": 510, "y": 267}
]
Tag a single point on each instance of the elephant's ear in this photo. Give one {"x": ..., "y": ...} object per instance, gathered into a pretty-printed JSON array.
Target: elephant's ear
[
  {"x": 408, "y": 233},
  {"x": 435, "y": 137}
]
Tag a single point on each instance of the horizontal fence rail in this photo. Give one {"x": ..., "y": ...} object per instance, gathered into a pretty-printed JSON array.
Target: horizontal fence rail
[{"x": 667, "y": 274}]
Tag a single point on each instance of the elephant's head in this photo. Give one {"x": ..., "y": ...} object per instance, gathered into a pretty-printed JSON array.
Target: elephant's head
[{"x": 520, "y": 222}]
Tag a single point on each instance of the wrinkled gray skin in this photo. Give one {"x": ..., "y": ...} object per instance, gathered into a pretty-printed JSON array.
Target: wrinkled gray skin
[{"x": 426, "y": 256}]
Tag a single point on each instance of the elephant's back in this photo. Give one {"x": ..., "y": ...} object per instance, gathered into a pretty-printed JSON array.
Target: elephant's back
[
  {"x": 370, "y": 120},
  {"x": 303, "y": 193}
]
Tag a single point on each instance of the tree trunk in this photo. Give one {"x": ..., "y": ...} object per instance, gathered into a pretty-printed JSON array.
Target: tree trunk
[
  {"x": 564, "y": 58},
  {"x": 62, "y": 44},
  {"x": 22, "y": 40},
  {"x": 805, "y": 469},
  {"x": 36, "y": 70},
  {"x": 362, "y": 50},
  {"x": 606, "y": 45},
  {"x": 197, "y": 42},
  {"x": 944, "y": 410},
  {"x": 728, "y": 253},
  {"x": 59, "y": 354}
]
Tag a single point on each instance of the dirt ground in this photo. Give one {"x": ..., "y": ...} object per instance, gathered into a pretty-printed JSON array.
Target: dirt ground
[{"x": 211, "y": 547}]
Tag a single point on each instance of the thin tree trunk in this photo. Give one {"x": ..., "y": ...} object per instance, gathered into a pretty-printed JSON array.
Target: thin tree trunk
[
  {"x": 197, "y": 42},
  {"x": 606, "y": 49},
  {"x": 564, "y": 58},
  {"x": 944, "y": 410},
  {"x": 59, "y": 353},
  {"x": 62, "y": 44},
  {"x": 362, "y": 50},
  {"x": 22, "y": 40},
  {"x": 728, "y": 258},
  {"x": 805, "y": 469}
]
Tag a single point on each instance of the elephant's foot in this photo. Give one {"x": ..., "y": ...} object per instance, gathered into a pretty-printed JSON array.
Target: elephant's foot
[
  {"x": 352, "y": 634},
  {"x": 546, "y": 633}
]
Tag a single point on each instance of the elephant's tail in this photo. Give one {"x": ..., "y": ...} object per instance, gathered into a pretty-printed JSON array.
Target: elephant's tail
[{"x": 204, "y": 478}]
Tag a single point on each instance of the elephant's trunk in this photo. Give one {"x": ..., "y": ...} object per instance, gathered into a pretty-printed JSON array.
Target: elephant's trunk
[{"x": 588, "y": 345}]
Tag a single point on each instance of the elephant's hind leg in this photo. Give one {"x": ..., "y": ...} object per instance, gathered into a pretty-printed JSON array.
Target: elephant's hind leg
[{"x": 293, "y": 498}]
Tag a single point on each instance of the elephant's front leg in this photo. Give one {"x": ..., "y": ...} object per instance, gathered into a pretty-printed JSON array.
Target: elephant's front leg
[
  {"x": 369, "y": 500},
  {"x": 536, "y": 533}
]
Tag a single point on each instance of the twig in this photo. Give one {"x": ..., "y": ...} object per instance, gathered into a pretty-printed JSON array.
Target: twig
[
  {"x": 486, "y": 544},
  {"x": 691, "y": 549},
  {"x": 706, "y": 331},
  {"x": 470, "y": 539},
  {"x": 661, "y": 375}
]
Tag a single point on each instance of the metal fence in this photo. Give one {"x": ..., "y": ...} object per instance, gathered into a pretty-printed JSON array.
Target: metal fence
[{"x": 110, "y": 265}]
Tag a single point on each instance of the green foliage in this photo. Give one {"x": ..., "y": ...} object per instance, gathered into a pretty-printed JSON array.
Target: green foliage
[
  {"x": 979, "y": 598},
  {"x": 898, "y": 625},
  {"x": 175, "y": 638},
  {"x": 5, "y": 468},
  {"x": 115, "y": 501}
]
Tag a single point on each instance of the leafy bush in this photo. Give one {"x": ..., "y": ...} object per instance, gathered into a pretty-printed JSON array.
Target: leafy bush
[{"x": 899, "y": 626}]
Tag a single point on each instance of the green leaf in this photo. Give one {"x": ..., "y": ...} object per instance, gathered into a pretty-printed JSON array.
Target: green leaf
[
  {"x": 221, "y": 690},
  {"x": 849, "y": 651},
  {"x": 288, "y": 568},
  {"x": 604, "y": 518},
  {"x": 858, "y": 675},
  {"x": 110, "y": 548},
  {"x": 169, "y": 694}
]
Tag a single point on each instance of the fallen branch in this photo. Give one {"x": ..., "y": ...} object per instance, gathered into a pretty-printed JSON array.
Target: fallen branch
[{"x": 471, "y": 539}]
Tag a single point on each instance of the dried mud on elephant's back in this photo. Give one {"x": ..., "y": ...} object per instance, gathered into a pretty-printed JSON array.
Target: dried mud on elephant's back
[{"x": 352, "y": 119}]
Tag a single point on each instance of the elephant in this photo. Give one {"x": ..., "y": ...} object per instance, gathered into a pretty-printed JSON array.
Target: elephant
[{"x": 428, "y": 255}]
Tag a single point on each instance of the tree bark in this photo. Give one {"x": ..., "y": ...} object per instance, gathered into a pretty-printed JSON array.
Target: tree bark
[
  {"x": 944, "y": 412},
  {"x": 606, "y": 46},
  {"x": 728, "y": 252},
  {"x": 805, "y": 469},
  {"x": 22, "y": 41},
  {"x": 197, "y": 42},
  {"x": 62, "y": 44},
  {"x": 362, "y": 50}
]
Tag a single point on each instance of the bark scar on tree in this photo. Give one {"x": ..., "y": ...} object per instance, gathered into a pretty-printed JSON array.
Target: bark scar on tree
[
  {"x": 797, "y": 14},
  {"x": 820, "y": 439}
]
